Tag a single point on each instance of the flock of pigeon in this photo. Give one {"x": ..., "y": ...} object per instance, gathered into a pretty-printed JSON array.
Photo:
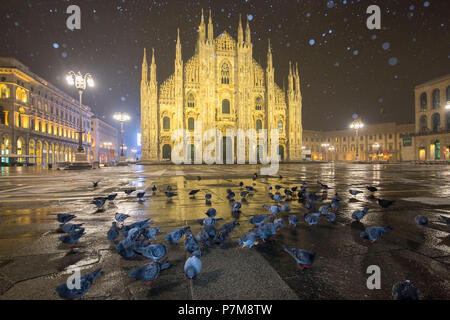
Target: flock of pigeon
[{"x": 139, "y": 237}]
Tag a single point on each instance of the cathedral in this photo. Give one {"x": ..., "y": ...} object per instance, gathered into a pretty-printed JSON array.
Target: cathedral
[{"x": 223, "y": 88}]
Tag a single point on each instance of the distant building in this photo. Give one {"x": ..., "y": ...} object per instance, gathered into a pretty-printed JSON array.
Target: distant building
[
  {"x": 379, "y": 142},
  {"x": 38, "y": 120},
  {"x": 105, "y": 141},
  {"x": 431, "y": 140}
]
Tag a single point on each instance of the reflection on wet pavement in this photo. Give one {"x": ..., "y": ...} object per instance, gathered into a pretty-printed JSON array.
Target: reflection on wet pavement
[{"x": 31, "y": 256}]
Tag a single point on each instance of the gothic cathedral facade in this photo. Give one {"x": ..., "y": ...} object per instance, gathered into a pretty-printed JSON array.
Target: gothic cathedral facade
[{"x": 224, "y": 88}]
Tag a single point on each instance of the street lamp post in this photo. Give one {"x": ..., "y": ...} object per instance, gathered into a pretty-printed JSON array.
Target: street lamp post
[
  {"x": 81, "y": 83},
  {"x": 121, "y": 117},
  {"x": 357, "y": 125}
]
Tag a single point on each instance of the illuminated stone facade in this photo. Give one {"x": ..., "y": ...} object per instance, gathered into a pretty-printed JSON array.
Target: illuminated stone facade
[
  {"x": 37, "y": 119},
  {"x": 224, "y": 88}
]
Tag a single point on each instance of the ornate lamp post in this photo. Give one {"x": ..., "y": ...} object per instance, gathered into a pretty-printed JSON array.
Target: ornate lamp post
[
  {"x": 81, "y": 83},
  {"x": 121, "y": 117},
  {"x": 356, "y": 125}
]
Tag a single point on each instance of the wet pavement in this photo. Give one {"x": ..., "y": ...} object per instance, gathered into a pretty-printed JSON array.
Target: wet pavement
[{"x": 33, "y": 262}]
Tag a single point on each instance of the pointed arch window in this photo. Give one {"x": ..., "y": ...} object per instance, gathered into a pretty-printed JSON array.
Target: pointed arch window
[
  {"x": 280, "y": 126},
  {"x": 225, "y": 73},
  {"x": 166, "y": 123},
  {"x": 226, "y": 107},
  {"x": 258, "y": 104},
  {"x": 191, "y": 101},
  {"x": 4, "y": 91}
]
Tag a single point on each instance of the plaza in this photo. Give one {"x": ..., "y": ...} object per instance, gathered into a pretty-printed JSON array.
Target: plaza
[{"x": 33, "y": 262}]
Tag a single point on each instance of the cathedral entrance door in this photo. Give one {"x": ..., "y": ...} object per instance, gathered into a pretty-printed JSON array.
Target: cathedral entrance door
[
  {"x": 167, "y": 152},
  {"x": 227, "y": 150}
]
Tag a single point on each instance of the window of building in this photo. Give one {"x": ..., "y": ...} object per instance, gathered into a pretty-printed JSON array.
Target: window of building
[
  {"x": 448, "y": 93},
  {"x": 280, "y": 126},
  {"x": 21, "y": 95},
  {"x": 258, "y": 104},
  {"x": 436, "y": 99},
  {"x": 258, "y": 125},
  {"x": 436, "y": 122},
  {"x": 166, "y": 123},
  {"x": 225, "y": 73},
  {"x": 226, "y": 107},
  {"x": 191, "y": 124},
  {"x": 191, "y": 101},
  {"x": 4, "y": 91},
  {"x": 423, "y": 124},
  {"x": 390, "y": 136},
  {"x": 423, "y": 102}
]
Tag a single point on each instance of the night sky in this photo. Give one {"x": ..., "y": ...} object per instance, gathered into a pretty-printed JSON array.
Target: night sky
[{"x": 344, "y": 67}]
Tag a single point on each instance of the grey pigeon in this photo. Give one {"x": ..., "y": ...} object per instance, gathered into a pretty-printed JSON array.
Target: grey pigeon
[
  {"x": 192, "y": 267},
  {"x": 303, "y": 258},
  {"x": 154, "y": 251},
  {"x": 151, "y": 233},
  {"x": 150, "y": 272},
  {"x": 259, "y": 220},
  {"x": 312, "y": 219},
  {"x": 70, "y": 228},
  {"x": 176, "y": 235},
  {"x": 374, "y": 233},
  {"x": 211, "y": 212},
  {"x": 421, "y": 220},
  {"x": 113, "y": 233},
  {"x": 273, "y": 209},
  {"x": 72, "y": 238},
  {"x": 445, "y": 219},
  {"x": 190, "y": 244},
  {"x": 120, "y": 217},
  {"x": 358, "y": 215},
  {"x": 293, "y": 220},
  {"x": 86, "y": 282},
  {"x": 65, "y": 217},
  {"x": 248, "y": 239}
]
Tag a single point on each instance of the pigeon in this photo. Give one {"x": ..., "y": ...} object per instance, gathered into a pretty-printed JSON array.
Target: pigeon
[
  {"x": 151, "y": 233},
  {"x": 209, "y": 221},
  {"x": 374, "y": 233},
  {"x": 203, "y": 237},
  {"x": 331, "y": 217},
  {"x": 169, "y": 188},
  {"x": 112, "y": 197},
  {"x": 150, "y": 272},
  {"x": 250, "y": 188},
  {"x": 192, "y": 267},
  {"x": 303, "y": 258},
  {"x": 294, "y": 189},
  {"x": 337, "y": 198},
  {"x": 445, "y": 219},
  {"x": 72, "y": 238},
  {"x": 241, "y": 184},
  {"x": 154, "y": 251},
  {"x": 70, "y": 228},
  {"x": 385, "y": 203},
  {"x": 244, "y": 194},
  {"x": 279, "y": 223},
  {"x": 113, "y": 233},
  {"x": 129, "y": 191},
  {"x": 259, "y": 220},
  {"x": 323, "y": 186},
  {"x": 170, "y": 195},
  {"x": 405, "y": 290},
  {"x": 335, "y": 204},
  {"x": 65, "y": 217},
  {"x": 190, "y": 243},
  {"x": 304, "y": 186},
  {"x": 194, "y": 192},
  {"x": 231, "y": 196},
  {"x": 273, "y": 209},
  {"x": 210, "y": 230},
  {"x": 248, "y": 239},
  {"x": 278, "y": 198},
  {"x": 309, "y": 205},
  {"x": 372, "y": 189},
  {"x": 229, "y": 227},
  {"x": 208, "y": 197},
  {"x": 358, "y": 215},
  {"x": 266, "y": 231},
  {"x": 269, "y": 188},
  {"x": 176, "y": 235},
  {"x": 154, "y": 189},
  {"x": 278, "y": 187},
  {"x": 95, "y": 184},
  {"x": 211, "y": 212},
  {"x": 99, "y": 203},
  {"x": 86, "y": 282},
  {"x": 323, "y": 210},
  {"x": 312, "y": 219},
  {"x": 137, "y": 225},
  {"x": 125, "y": 249},
  {"x": 255, "y": 176},
  {"x": 288, "y": 193},
  {"x": 293, "y": 220},
  {"x": 236, "y": 206},
  {"x": 285, "y": 208},
  {"x": 221, "y": 237},
  {"x": 140, "y": 195},
  {"x": 354, "y": 192},
  {"x": 120, "y": 217},
  {"x": 421, "y": 220},
  {"x": 199, "y": 178}
]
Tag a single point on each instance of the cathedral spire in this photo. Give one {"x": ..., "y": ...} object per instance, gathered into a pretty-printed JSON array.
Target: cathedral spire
[
  {"x": 240, "y": 32},
  {"x": 290, "y": 79},
  {"x": 145, "y": 68},
  {"x": 153, "y": 69},
  {"x": 248, "y": 36},
  {"x": 210, "y": 28},
  {"x": 269, "y": 57},
  {"x": 202, "y": 30},
  {"x": 178, "y": 52}
]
